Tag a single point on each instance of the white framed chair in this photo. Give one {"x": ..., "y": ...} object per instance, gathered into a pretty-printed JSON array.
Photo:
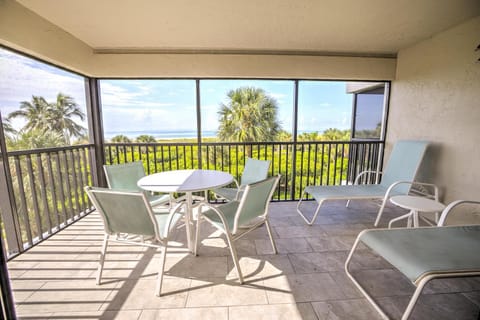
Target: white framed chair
[
  {"x": 397, "y": 179},
  {"x": 124, "y": 177},
  {"x": 254, "y": 170},
  {"x": 129, "y": 218},
  {"x": 238, "y": 217},
  {"x": 423, "y": 254}
]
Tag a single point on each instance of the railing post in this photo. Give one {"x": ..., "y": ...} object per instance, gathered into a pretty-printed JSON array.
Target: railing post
[
  {"x": 8, "y": 208},
  {"x": 95, "y": 132}
]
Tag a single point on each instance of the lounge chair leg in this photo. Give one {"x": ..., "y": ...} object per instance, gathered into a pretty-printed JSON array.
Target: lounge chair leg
[
  {"x": 102, "y": 259},
  {"x": 416, "y": 295},
  {"x": 303, "y": 215},
  {"x": 269, "y": 230},
  {"x": 380, "y": 211},
  {"x": 348, "y": 203},
  {"x": 362, "y": 290}
]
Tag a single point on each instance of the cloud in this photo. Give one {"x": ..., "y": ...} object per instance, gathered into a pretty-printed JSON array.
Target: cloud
[{"x": 21, "y": 78}]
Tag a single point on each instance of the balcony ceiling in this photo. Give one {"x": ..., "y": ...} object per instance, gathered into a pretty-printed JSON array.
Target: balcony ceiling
[{"x": 347, "y": 27}]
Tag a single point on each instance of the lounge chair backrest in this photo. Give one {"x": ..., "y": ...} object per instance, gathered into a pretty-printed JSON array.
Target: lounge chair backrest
[
  {"x": 124, "y": 176},
  {"x": 255, "y": 200},
  {"x": 255, "y": 170},
  {"x": 124, "y": 212},
  {"x": 404, "y": 163}
]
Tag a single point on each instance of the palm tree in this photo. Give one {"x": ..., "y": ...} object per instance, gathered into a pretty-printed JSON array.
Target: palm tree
[
  {"x": 35, "y": 112},
  {"x": 61, "y": 115},
  {"x": 145, "y": 138},
  {"x": 57, "y": 117},
  {"x": 120, "y": 139},
  {"x": 250, "y": 115}
]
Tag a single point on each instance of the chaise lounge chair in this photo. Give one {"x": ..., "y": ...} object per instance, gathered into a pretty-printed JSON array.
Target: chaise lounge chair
[
  {"x": 397, "y": 179},
  {"x": 423, "y": 254}
]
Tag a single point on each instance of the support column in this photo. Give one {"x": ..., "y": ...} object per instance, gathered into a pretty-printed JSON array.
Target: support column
[{"x": 95, "y": 132}]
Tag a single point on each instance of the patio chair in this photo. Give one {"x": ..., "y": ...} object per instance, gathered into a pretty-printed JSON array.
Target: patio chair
[
  {"x": 238, "y": 217},
  {"x": 423, "y": 254},
  {"x": 129, "y": 218},
  {"x": 124, "y": 177},
  {"x": 397, "y": 179},
  {"x": 255, "y": 170}
]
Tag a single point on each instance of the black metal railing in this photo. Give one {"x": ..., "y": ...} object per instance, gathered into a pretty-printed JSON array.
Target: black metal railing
[
  {"x": 299, "y": 163},
  {"x": 48, "y": 183},
  {"x": 48, "y": 193}
]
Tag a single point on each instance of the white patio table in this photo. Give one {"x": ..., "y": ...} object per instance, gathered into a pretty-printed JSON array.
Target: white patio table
[{"x": 186, "y": 181}]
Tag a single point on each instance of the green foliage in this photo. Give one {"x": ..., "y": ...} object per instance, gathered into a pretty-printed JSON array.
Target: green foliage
[
  {"x": 34, "y": 139},
  {"x": 369, "y": 134}
]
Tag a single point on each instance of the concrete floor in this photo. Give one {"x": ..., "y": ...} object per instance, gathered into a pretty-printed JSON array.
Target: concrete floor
[{"x": 306, "y": 280}]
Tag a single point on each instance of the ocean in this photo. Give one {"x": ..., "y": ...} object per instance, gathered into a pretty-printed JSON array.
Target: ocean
[{"x": 186, "y": 134}]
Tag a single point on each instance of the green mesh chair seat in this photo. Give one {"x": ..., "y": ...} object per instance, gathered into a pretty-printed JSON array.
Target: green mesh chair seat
[
  {"x": 255, "y": 170},
  {"x": 124, "y": 177},
  {"x": 397, "y": 178},
  {"x": 130, "y": 213},
  {"x": 238, "y": 217},
  {"x": 446, "y": 249}
]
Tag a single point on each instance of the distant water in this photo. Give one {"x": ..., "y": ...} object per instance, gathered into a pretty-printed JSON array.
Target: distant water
[
  {"x": 187, "y": 134},
  {"x": 182, "y": 134}
]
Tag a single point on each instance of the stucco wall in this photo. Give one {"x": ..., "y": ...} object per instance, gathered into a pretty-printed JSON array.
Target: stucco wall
[
  {"x": 436, "y": 97},
  {"x": 27, "y": 32}
]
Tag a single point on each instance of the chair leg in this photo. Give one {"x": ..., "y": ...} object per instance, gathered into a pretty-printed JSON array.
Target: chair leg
[
  {"x": 269, "y": 230},
  {"x": 102, "y": 259},
  {"x": 414, "y": 298},
  {"x": 380, "y": 211},
  {"x": 303, "y": 215},
  {"x": 233, "y": 251},
  {"x": 158, "y": 289},
  {"x": 348, "y": 203}
]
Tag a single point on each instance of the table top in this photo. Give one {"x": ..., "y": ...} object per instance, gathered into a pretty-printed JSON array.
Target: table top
[
  {"x": 417, "y": 203},
  {"x": 185, "y": 180}
]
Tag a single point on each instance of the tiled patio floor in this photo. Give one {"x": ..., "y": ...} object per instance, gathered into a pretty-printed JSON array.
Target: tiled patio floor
[{"x": 306, "y": 280}]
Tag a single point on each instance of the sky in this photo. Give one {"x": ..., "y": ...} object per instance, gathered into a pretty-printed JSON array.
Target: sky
[{"x": 167, "y": 104}]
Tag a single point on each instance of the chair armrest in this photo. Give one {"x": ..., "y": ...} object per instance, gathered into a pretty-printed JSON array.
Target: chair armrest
[
  {"x": 434, "y": 196},
  {"x": 446, "y": 211},
  {"x": 214, "y": 209},
  {"x": 424, "y": 191},
  {"x": 361, "y": 174}
]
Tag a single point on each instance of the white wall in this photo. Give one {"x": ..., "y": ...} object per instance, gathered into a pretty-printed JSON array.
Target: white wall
[{"x": 436, "y": 97}]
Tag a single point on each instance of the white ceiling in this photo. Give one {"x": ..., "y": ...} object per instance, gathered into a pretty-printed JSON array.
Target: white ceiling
[{"x": 345, "y": 27}]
